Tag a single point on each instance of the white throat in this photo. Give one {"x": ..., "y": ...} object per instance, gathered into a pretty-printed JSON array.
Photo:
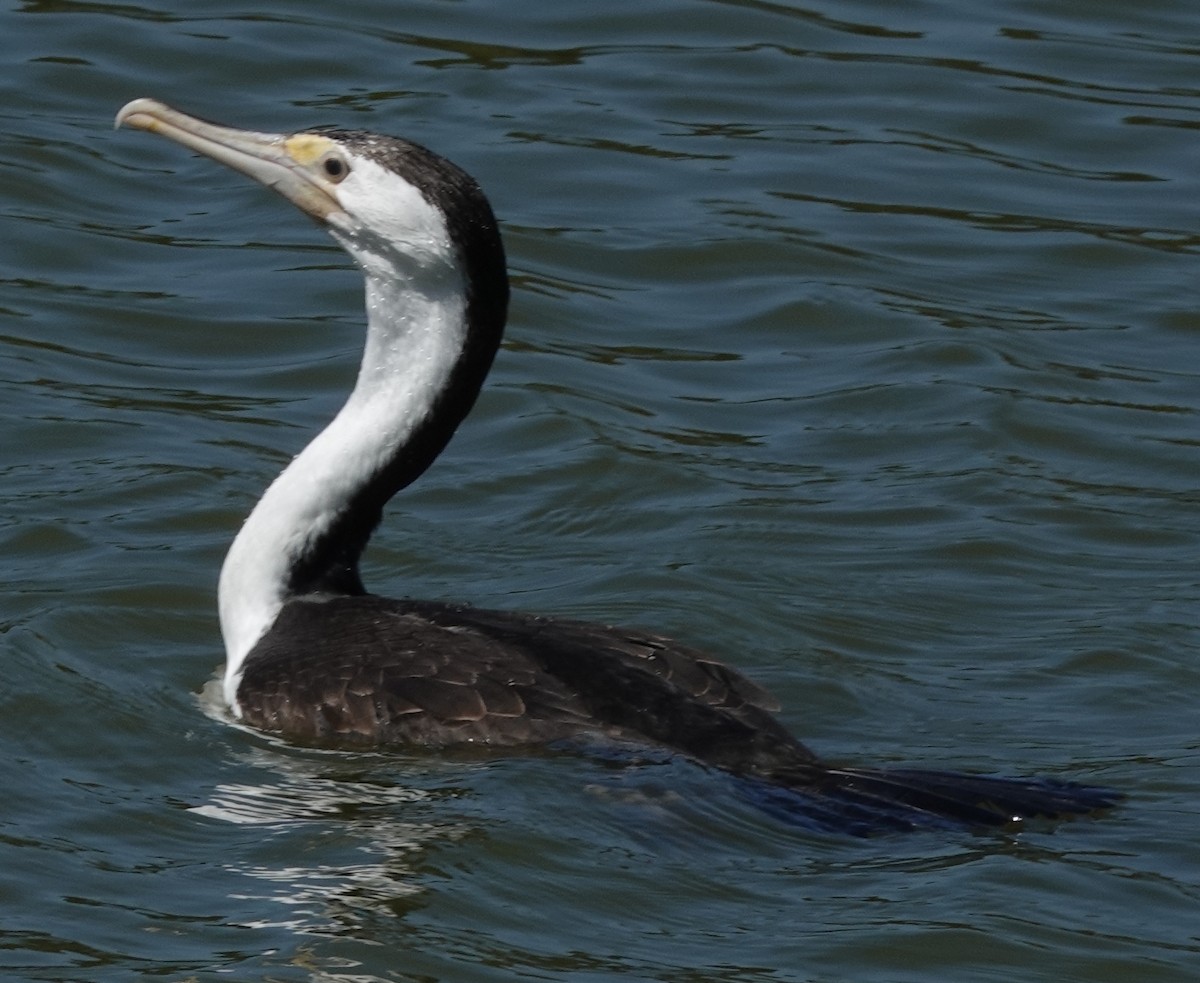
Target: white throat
[{"x": 416, "y": 314}]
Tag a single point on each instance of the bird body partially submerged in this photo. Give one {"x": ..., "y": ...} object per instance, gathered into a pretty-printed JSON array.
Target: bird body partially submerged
[{"x": 311, "y": 655}]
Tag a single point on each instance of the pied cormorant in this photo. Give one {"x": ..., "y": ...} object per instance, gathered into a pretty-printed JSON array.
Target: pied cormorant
[{"x": 311, "y": 655}]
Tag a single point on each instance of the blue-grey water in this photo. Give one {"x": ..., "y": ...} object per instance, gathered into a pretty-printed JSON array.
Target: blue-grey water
[{"x": 856, "y": 342}]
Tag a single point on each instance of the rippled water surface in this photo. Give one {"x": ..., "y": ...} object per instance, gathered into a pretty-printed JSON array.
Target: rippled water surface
[{"x": 855, "y": 343}]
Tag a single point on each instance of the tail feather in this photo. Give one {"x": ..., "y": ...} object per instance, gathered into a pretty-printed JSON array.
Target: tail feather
[{"x": 864, "y": 801}]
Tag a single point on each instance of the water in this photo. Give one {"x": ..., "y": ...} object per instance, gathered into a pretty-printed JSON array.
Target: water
[{"x": 857, "y": 343}]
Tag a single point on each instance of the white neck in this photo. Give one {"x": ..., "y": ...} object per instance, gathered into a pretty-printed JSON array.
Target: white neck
[{"x": 416, "y": 331}]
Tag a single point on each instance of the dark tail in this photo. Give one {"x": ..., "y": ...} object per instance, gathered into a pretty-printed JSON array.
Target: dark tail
[{"x": 866, "y": 801}]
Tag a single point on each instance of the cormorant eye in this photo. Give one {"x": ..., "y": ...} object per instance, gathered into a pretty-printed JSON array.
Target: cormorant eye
[{"x": 335, "y": 167}]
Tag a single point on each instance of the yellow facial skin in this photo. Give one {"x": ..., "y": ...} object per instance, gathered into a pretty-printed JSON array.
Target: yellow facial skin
[{"x": 307, "y": 148}]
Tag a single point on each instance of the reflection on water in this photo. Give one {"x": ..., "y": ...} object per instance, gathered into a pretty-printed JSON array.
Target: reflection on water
[
  {"x": 374, "y": 829},
  {"x": 372, "y": 849}
]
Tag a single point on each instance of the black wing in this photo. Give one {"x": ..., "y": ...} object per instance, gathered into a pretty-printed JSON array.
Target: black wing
[{"x": 378, "y": 671}]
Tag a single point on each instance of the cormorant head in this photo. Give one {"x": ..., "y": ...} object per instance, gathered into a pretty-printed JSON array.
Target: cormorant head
[{"x": 399, "y": 209}]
